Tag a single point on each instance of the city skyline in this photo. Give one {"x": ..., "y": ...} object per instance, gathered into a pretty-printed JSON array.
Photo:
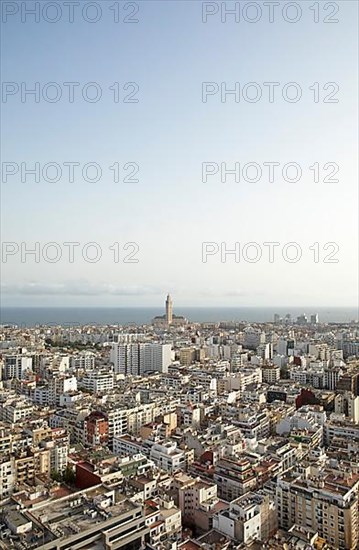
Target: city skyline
[
  {"x": 179, "y": 314},
  {"x": 206, "y": 432}
]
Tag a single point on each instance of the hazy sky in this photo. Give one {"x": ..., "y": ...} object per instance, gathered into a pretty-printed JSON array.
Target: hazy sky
[{"x": 169, "y": 133}]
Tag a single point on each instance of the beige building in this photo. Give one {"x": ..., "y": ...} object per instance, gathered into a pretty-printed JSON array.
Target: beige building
[
  {"x": 164, "y": 426},
  {"x": 195, "y": 499},
  {"x": 327, "y": 504},
  {"x": 187, "y": 356},
  {"x": 234, "y": 478},
  {"x": 39, "y": 434},
  {"x": 28, "y": 466}
]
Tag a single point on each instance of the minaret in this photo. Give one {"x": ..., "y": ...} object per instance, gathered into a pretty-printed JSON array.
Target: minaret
[{"x": 169, "y": 314}]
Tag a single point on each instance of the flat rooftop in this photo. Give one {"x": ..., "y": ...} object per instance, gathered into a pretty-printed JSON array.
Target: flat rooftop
[{"x": 66, "y": 517}]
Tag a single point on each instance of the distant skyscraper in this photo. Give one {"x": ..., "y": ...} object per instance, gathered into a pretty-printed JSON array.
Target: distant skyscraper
[
  {"x": 302, "y": 319},
  {"x": 169, "y": 310},
  {"x": 314, "y": 319}
]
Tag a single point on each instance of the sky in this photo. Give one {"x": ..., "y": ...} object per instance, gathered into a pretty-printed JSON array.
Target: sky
[{"x": 156, "y": 128}]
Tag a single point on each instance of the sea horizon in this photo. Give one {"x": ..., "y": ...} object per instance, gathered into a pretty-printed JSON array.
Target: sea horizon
[{"x": 30, "y": 316}]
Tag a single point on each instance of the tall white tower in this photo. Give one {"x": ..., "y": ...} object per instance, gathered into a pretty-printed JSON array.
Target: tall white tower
[{"x": 169, "y": 310}]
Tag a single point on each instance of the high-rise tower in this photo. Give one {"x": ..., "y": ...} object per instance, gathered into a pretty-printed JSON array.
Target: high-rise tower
[{"x": 169, "y": 310}]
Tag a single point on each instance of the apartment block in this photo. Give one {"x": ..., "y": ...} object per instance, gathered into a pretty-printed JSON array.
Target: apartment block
[{"x": 327, "y": 504}]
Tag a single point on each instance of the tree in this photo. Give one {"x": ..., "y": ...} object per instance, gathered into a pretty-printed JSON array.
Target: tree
[
  {"x": 69, "y": 475},
  {"x": 56, "y": 476}
]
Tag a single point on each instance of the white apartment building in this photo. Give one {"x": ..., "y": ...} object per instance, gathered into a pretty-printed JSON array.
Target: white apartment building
[
  {"x": 69, "y": 399},
  {"x": 344, "y": 429},
  {"x": 137, "y": 358},
  {"x": 58, "y": 385},
  {"x": 253, "y": 423},
  {"x": 305, "y": 418},
  {"x": 172, "y": 518},
  {"x": 189, "y": 415},
  {"x": 7, "y": 477},
  {"x": 331, "y": 377},
  {"x": 40, "y": 395},
  {"x": 128, "y": 338},
  {"x": 98, "y": 381},
  {"x": 174, "y": 380},
  {"x": 61, "y": 362},
  {"x": 124, "y": 445},
  {"x": 239, "y": 380},
  {"x": 15, "y": 366},
  {"x": 14, "y": 411},
  {"x": 270, "y": 374},
  {"x": 242, "y": 521},
  {"x": 237, "y": 360},
  {"x": 298, "y": 375},
  {"x": 122, "y": 421},
  {"x": 85, "y": 361},
  {"x": 265, "y": 351},
  {"x": 117, "y": 422},
  {"x": 58, "y": 457},
  {"x": 168, "y": 457},
  {"x": 348, "y": 404},
  {"x": 143, "y": 414}
]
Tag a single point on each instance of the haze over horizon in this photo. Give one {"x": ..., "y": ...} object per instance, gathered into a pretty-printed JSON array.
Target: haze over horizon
[{"x": 170, "y": 212}]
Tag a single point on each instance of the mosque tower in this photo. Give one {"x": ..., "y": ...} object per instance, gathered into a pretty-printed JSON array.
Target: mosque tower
[{"x": 169, "y": 310}]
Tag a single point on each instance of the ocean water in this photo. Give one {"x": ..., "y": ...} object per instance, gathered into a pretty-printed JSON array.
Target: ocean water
[{"x": 71, "y": 316}]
